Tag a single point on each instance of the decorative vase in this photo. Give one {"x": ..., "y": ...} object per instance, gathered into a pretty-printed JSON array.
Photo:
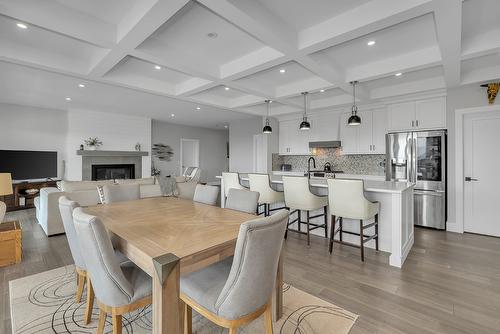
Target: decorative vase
[{"x": 92, "y": 148}]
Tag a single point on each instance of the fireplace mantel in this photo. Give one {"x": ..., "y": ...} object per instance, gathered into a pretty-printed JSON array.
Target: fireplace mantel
[{"x": 98, "y": 153}]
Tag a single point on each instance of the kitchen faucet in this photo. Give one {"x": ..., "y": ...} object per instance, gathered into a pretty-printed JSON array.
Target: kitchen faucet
[{"x": 309, "y": 165}]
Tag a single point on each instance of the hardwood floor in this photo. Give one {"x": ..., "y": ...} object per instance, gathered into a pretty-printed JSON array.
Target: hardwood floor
[{"x": 449, "y": 283}]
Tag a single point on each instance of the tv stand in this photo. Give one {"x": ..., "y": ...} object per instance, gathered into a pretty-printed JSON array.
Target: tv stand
[{"x": 14, "y": 201}]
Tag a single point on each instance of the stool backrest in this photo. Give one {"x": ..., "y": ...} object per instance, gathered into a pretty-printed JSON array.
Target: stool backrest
[
  {"x": 346, "y": 198},
  {"x": 231, "y": 180},
  {"x": 297, "y": 192},
  {"x": 260, "y": 184},
  {"x": 252, "y": 277}
]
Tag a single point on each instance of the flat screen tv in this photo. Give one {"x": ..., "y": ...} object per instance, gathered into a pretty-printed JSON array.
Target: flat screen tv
[{"x": 28, "y": 165}]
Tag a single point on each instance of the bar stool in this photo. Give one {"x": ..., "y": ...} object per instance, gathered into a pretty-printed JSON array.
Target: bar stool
[
  {"x": 347, "y": 200},
  {"x": 268, "y": 196},
  {"x": 299, "y": 198},
  {"x": 230, "y": 180}
]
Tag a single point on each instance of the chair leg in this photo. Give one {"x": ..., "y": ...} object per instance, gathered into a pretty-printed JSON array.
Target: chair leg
[
  {"x": 80, "y": 279},
  {"x": 188, "y": 319},
  {"x": 376, "y": 231},
  {"x": 300, "y": 219},
  {"x": 267, "y": 207},
  {"x": 102, "y": 321},
  {"x": 307, "y": 222},
  {"x": 361, "y": 239},
  {"x": 233, "y": 330},
  {"x": 268, "y": 319},
  {"x": 117, "y": 324},
  {"x": 341, "y": 228},
  {"x": 90, "y": 302},
  {"x": 326, "y": 221},
  {"x": 332, "y": 234}
]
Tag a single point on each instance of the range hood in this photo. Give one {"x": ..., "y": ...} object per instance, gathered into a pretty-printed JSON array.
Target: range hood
[{"x": 325, "y": 144}]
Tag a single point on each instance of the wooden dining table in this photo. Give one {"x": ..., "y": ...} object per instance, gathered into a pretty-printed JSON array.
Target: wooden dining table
[{"x": 168, "y": 237}]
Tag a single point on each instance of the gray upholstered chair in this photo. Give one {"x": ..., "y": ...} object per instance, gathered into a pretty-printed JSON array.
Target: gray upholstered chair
[
  {"x": 119, "y": 288},
  {"x": 206, "y": 194},
  {"x": 119, "y": 193},
  {"x": 238, "y": 289},
  {"x": 66, "y": 207},
  {"x": 242, "y": 200}
]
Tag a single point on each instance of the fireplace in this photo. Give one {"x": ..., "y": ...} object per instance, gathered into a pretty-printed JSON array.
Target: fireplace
[{"x": 114, "y": 171}]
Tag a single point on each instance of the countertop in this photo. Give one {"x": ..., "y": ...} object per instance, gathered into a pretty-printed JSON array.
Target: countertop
[{"x": 370, "y": 185}]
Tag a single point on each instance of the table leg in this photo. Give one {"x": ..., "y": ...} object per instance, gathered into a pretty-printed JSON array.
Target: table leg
[
  {"x": 278, "y": 291},
  {"x": 166, "y": 286}
]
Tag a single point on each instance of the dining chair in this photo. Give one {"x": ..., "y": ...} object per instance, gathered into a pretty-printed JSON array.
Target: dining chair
[
  {"x": 110, "y": 193},
  {"x": 347, "y": 200},
  {"x": 237, "y": 290},
  {"x": 119, "y": 288},
  {"x": 231, "y": 180},
  {"x": 299, "y": 197},
  {"x": 267, "y": 195},
  {"x": 242, "y": 200},
  {"x": 206, "y": 194},
  {"x": 66, "y": 208}
]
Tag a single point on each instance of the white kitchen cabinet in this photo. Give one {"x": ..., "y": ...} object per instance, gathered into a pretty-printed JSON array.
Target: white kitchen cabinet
[
  {"x": 368, "y": 137},
  {"x": 418, "y": 115},
  {"x": 293, "y": 141},
  {"x": 431, "y": 114},
  {"x": 324, "y": 127}
]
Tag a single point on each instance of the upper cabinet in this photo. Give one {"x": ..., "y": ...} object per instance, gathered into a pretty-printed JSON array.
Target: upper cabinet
[
  {"x": 368, "y": 137},
  {"x": 418, "y": 115},
  {"x": 293, "y": 141},
  {"x": 324, "y": 127}
]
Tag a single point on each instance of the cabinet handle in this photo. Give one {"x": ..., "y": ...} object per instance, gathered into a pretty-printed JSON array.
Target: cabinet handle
[
  {"x": 412, "y": 124},
  {"x": 374, "y": 147},
  {"x": 416, "y": 122}
]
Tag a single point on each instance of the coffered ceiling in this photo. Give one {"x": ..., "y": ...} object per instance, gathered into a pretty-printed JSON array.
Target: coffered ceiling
[{"x": 212, "y": 61}]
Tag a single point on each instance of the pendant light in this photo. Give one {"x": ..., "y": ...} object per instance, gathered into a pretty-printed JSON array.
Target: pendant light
[
  {"x": 267, "y": 128},
  {"x": 305, "y": 125},
  {"x": 354, "y": 119}
]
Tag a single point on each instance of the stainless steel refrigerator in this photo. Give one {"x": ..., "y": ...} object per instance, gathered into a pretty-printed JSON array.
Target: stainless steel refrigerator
[{"x": 420, "y": 158}]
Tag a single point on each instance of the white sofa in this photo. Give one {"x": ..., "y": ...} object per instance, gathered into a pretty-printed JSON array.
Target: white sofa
[{"x": 83, "y": 192}]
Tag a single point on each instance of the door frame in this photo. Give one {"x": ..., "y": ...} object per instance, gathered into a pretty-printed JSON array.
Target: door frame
[
  {"x": 197, "y": 152},
  {"x": 460, "y": 114}
]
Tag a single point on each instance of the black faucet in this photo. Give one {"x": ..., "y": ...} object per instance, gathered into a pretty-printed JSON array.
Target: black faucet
[{"x": 309, "y": 165}]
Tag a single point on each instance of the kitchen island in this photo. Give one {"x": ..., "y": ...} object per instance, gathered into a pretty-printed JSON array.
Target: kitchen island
[{"x": 395, "y": 217}]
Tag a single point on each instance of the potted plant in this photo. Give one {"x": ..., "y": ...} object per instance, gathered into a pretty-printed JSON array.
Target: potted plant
[{"x": 93, "y": 143}]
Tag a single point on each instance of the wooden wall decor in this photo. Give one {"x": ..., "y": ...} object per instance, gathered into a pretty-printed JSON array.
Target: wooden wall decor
[{"x": 492, "y": 91}]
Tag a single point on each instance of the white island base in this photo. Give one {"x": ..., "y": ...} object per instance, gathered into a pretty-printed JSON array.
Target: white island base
[{"x": 395, "y": 217}]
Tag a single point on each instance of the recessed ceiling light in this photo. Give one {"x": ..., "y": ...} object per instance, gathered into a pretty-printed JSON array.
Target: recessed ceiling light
[
  {"x": 81, "y": 85},
  {"x": 371, "y": 43},
  {"x": 68, "y": 99},
  {"x": 282, "y": 70},
  {"x": 225, "y": 126},
  {"x": 157, "y": 67},
  {"x": 22, "y": 25},
  {"x": 172, "y": 115},
  {"x": 198, "y": 108},
  {"x": 321, "y": 90},
  {"x": 398, "y": 74},
  {"x": 212, "y": 35},
  {"x": 226, "y": 88}
]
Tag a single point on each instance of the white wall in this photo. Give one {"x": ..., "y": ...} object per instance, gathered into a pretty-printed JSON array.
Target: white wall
[
  {"x": 27, "y": 128},
  {"x": 241, "y": 143},
  {"x": 213, "y": 148},
  {"x": 459, "y": 98},
  {"x": 117, "y": 132}
]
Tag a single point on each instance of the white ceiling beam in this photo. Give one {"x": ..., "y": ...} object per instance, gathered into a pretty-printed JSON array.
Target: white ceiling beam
[
  {"x": 481, "y": 75},
  {"x": 448, "y": 17},
  {"x": 408, "y": 88},
  {"x": 153, "y": 18},
  {"x": 482, "y": 45},
  {"x": 372, "y": 16},
  {"x": 413, "y": 61}
]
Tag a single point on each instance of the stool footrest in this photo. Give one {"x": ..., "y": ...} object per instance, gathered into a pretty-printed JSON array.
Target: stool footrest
[
  {"x": 365, "y": 240},
  {"x": 369, "y": 225}
]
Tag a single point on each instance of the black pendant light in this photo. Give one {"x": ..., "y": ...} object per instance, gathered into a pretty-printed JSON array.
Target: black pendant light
[
  {"x": 354, "y": 119},
  {"x": 267, "y": 128},
  {"x": 305, "y": 125}
]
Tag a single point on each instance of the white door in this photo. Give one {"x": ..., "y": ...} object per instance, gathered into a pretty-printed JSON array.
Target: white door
[
  {"x": 481, "y": 137},
  {"x": 189, "y": 156},
  {"x": 365, "y": 132},
  {"x": 284, "y": 135}
]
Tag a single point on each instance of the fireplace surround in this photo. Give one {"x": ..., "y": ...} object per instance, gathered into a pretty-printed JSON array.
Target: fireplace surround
[{"x": 101, "y": 158}]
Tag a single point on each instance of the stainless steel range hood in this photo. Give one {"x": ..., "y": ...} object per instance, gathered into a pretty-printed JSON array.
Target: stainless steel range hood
[{"x": 325, "y": 144}]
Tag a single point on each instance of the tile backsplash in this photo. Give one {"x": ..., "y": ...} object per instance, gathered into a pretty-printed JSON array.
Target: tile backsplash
[{"x": 366, "y": 164}]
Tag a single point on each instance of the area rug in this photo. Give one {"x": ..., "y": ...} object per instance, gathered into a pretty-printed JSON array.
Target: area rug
[{"x": 45, "y": 303}]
